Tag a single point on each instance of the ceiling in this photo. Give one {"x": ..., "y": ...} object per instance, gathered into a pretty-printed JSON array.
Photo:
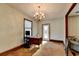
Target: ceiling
[
  {"x": 51, "y": 10},
  {"x": 76, "y": 9}
]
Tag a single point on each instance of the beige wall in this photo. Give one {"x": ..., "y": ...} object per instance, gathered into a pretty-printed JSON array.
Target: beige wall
[
  {"x": 11, "y": 27},
  {"x": 57, "y": 28},
  {"x": 34, "y": 28},
  {"x": 73, "y": 26}
]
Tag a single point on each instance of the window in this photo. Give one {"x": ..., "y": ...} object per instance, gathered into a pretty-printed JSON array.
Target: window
[{"x": 27, "y": 27}]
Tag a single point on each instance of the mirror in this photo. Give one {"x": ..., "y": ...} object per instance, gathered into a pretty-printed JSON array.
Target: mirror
[{"x": 73, "y": 28}]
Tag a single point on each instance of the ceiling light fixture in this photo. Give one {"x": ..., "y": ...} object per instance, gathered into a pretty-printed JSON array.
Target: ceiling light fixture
[{"x": 38, "y": 16}]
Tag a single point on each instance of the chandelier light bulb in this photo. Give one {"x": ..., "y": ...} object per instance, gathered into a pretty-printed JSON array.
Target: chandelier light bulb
[{"x": 38, "y": 16}]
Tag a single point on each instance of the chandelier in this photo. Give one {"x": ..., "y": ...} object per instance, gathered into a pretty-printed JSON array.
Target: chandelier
[{"x": 38, "y": 16}]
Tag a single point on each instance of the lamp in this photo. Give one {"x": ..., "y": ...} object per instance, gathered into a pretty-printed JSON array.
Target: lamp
[{"x": 38, "y": 16}]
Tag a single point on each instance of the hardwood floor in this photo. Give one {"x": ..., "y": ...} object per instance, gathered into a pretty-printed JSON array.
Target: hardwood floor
[
  {"x": 21, "y": 52},
  {"x": 47, "y": 48},
  {"x": 52, "y": 49}
]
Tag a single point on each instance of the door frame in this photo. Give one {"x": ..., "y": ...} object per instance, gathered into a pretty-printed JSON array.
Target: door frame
[
  {"x": 49, "y": 29},
  {"x": 66, "y": 19},
  {"x": 66, "y": 25}
]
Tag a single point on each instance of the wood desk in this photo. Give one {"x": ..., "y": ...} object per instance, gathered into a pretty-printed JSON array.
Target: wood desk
[
  {"x": 32, "y": 40},
  {"x": 36, "y": 41}
]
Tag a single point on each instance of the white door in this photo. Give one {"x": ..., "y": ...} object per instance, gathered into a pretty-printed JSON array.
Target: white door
[{"x": 45, "y": 31}]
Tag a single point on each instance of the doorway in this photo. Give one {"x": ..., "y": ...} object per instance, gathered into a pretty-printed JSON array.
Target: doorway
[{"x": 46, "y": 32}]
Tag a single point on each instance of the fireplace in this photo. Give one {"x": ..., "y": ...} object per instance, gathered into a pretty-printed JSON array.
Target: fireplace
[{"x": 27, "y": 33}]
